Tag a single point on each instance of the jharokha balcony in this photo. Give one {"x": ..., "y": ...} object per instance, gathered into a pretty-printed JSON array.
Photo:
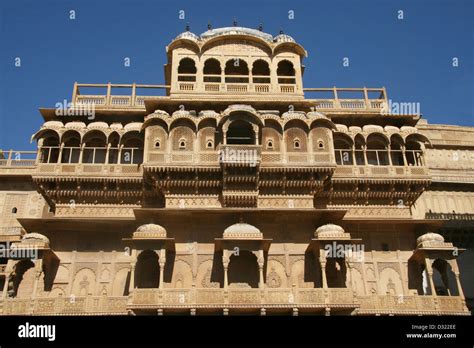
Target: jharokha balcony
[{"x": 206, "y": 300}]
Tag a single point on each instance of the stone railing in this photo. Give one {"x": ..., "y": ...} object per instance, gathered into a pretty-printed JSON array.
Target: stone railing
[
  {"x": 17, "y": 162},
  {"x": 412, "y": 304},
  {"x": 91, "y": 169},
  {"x": 365, "y": 100},
  {"x": 242, "y": 297},
  {"x": 290, "y": 298},
  {"x": 108, "y": 100},
  {"x": 381, "y": 171},
  {"x": 95, "y": 305},
  {"x": 240, "y": 154}
]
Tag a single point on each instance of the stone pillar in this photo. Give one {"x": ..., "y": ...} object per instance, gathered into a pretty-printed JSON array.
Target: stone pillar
[
  {"x": 364, "y": 148},
  {"x": 162, "y": 262},
  {"x": 225, "y": 262},
  {"x": 107, "y": 153},
  {"x": 458, "y": 284},
  {"x": 322, "y": 261},
  {"x": 61, "y": 147},
  {"x": 261, "y": 262},
  {"x": 429, "y": 271},
  {"x": 131, "y": 286},
  {"x": 81, "y": 152}
]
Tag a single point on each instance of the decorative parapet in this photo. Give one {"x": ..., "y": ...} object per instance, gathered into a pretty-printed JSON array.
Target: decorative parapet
[
  {"x": 150, "y": 231},
  {"x": 192, "y": 201},
  {"x": 285, "y": 201},
  {"x": 94, "y": 210},
  {"x": 242, "y": 230}
]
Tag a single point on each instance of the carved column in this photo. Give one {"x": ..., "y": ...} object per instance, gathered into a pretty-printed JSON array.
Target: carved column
[
  {"x": 131, "y": 286},
  {"x": 322, "y": 261},
  {"x": 429, "y": 271},
  {"x": 162, "y": 262},
  {"x": 60, "y": 152},
  {"x": 107, "y": 153},
  {"x": 225, "y": 263},
  {"x": 261, "y": 262}
]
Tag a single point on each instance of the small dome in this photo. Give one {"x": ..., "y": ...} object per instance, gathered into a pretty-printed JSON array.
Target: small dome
[
  {"x": 150, "y": 231},
  {"x": 35, "y": 238},
  {"x": 242, "y": 230},
  {"x": 236, "y": 31},
  {"x": 52, "y": 124},
  {"x": 283, "y": 38},
  {"x": 116, "y": 126},
  {"x": 430, "y": 237},
  {"x": 315, "y": 115},
  {"x": 75, "y": 125},
  {"x": 329, "y": 230},
  {"x": 97, "y": 125},
  {"x": 187, "y": 35},
  {"x": 133, "y": 126}
]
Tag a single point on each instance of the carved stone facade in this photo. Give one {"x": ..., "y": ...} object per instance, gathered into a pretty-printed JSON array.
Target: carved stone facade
[{"x": 236, "y": 192}]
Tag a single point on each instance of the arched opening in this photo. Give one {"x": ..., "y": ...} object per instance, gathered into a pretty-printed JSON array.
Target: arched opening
[
  {"x": 71, "y": 141},
  {"x": 49, "y": 148},
  {"x": 260, "y": 71},
  {"x": 377, "y": 153},
  {"x": 236, "y": 71},
  {"x": 286, "y": 72},
  {"x": 240, "y": 132},
  {"x": 243, "y": 270},
  {"x": 147, "y": 271},
  {"x": 95, "y": 148},
  {"x": 343, "y": 150},
  {"x": 414, "y": 154},
  {"x": 443, "y": 278},
  {"x": 187, "y": 70},
  {"x": 23, "y": 279},
  {"x": 336, "y": 272},
  {"x": 359, "y": 150},
  {"x": 396, "y": 151},
  {"x": 132, "y": 150},
  {"x": 14, "y": 210},
  {"x": 113, "y": 143},
  {"x": 212, "y": 70}
]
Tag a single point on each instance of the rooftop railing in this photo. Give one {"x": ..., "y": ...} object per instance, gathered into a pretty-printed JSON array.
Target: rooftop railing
[{"x": 326, "y": 99}]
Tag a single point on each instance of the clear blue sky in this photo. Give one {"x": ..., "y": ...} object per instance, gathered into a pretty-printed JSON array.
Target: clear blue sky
[{"x": 411, "y": 57}]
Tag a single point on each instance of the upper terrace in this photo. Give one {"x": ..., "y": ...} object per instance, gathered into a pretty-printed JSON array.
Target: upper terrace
[{"x": 327, "y": 100}]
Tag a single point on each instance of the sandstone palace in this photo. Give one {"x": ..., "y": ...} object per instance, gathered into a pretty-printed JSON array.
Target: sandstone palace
[{"x": 232, "y": 189}]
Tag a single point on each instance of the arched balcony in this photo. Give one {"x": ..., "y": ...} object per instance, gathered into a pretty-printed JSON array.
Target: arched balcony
[{"x": 377, "y": 150}]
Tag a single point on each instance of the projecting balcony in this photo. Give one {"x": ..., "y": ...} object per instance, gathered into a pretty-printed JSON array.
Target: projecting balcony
[
  {"x": 316, "y": 299},
  {"x": 412, "y": 305},
  {"x": 240, "y": 154},
  {"x": 89, "y": 161},
  {"x": 380, "y": 163},
  {"x": 276, "y": 299}
]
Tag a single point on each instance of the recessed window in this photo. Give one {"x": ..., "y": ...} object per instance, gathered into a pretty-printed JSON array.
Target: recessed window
[
  {"x": 182, "y": 144},
  {"x": 210, "y": 144},
  {"x": 157, "y": 144},
  {"x": 14, "y": 210},
  {"x": 270, "y": 144},
  {"x": 297, "y": 144},
  {"x": 320, "y": 145}
]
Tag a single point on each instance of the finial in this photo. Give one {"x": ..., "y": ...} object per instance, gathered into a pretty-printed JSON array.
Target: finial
[
  {"x": 235, "y": 22},
  {"x": 281, "y": 31},
  {"x": 260, "y": 27},
  {"x": 187, "y": 27},
  {"x": 209, "y": 26}
]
